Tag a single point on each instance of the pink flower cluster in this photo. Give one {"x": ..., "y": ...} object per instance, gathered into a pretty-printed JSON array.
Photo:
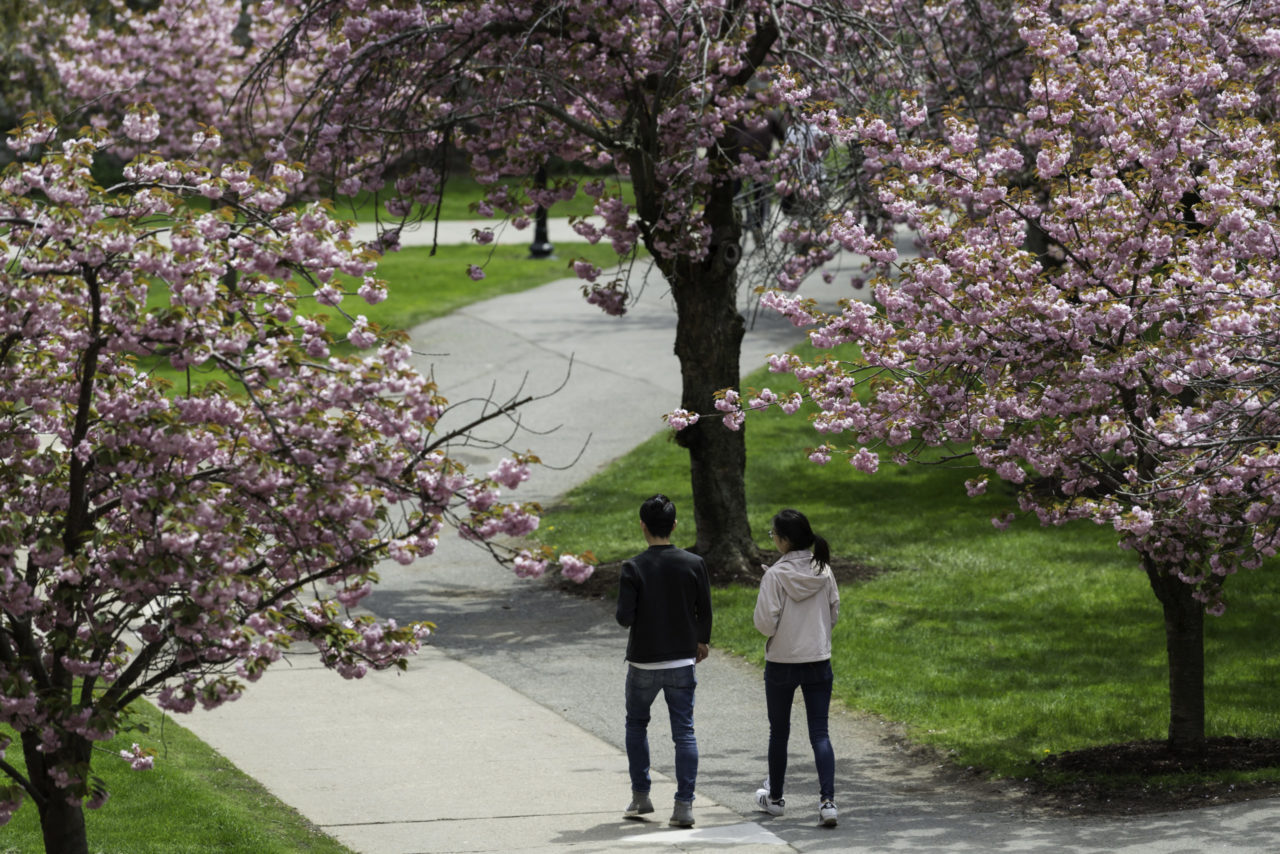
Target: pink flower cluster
[
  {"x": 610, "y": 298},
  {"x": 1105, "y": 340},
  {"x": 526, "y": 565},
  {"x": 727, "y": 403},
  {"x": 575, "y": 568},
  {"x": 139, "y": 759},
  {"x": 680, "y": 419},
  {"x": 187, "y": 59}
]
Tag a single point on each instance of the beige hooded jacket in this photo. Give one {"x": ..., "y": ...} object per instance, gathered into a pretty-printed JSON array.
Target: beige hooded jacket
[{"x": 797, "y": 605}]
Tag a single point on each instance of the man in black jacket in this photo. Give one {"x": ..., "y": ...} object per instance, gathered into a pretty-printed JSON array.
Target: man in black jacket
[{"x": 664, "y": 597}]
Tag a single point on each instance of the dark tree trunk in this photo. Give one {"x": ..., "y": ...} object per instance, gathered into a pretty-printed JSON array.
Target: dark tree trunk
[
  {"x": 1184, "y": 643},
  {"x": 61, "y": 823},
  {"x": 709, "y": 331}
]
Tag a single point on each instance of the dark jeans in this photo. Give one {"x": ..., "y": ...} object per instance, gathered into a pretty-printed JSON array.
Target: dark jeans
[
  {"x": 677, "y": 685},
  {"x": 813, "y": 678}
]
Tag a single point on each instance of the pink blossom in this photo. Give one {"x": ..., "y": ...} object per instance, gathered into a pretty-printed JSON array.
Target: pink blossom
[
  {"x": 586, "y": 270},
  {"x": 575, "y": 569},
  {"x": 510, "y": 472},
  {"x": 527, "y": 566},
  {"x": 611, "y": 298},
  {"x": 865, "y": 460},
  {"x": 728, "y": 403},
  {"x": 141, "y": 125},
  {"x": 680, "y": 419},
  {"x": 781, "y": 364},
  {"x": 372, "y": 291},
  {"x": 138, "y": 758},
  {"x": 360, "y": 334}
]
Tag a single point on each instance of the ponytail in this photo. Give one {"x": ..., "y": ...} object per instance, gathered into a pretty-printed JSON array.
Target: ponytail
[{"x": 821, "y": 551}]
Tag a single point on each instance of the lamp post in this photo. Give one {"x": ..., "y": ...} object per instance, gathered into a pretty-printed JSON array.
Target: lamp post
[{"x": 541, "y": 246}]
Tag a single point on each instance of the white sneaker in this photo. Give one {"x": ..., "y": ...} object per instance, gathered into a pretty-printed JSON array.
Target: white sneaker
[
  {"x": 827, "y": 813},
  {"x": 764, "y": 803}
]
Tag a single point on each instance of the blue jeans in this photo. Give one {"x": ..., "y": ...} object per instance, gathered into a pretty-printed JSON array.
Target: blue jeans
[
  {"x": 813, "y": 678},
  {"x": 677, "y": 684}
]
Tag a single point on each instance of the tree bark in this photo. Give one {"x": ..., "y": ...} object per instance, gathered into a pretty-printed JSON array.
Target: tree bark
[
  {"x": 709, "y": 332},
  {"x": 62, "y": 825},
  {"x": 61, "y": 821},
  {"x": 1184, "y": 645}
]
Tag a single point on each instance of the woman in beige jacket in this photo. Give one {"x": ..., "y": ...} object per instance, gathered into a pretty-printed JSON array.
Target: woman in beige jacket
[{"x": 797, "y": 605}]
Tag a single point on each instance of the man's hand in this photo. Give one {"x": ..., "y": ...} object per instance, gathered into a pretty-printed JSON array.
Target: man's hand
[{"x": 703, "y": 652}]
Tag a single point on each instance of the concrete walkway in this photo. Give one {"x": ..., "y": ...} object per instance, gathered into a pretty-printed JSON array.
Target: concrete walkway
[{"x": 506, "y": 734}]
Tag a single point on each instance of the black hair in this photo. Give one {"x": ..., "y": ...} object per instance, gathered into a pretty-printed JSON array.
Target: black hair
[
  {"x": 659, "y": 515},
  {"x": 793, "y": 526}
]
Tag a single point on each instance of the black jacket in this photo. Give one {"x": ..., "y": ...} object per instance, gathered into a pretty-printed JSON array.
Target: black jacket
[{"x": 664, "y": 596}]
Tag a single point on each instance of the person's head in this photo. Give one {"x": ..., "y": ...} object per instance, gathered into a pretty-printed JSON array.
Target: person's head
[
  {"x": 792, "y": 532},
  {"x": 658, "y": 515}
]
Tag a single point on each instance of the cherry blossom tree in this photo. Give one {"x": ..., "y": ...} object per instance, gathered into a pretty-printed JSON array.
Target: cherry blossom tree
[
  {"x": 670, "y": 95},
  {"x": 173, "y": 540},
  {"x": 663, "y": 93},
  {"x": 186, "y": 60},
  {"x": 1093, "y": 316}
]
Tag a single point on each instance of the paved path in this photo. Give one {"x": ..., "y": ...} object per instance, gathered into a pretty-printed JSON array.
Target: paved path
[{"x": 506, "y": 734}]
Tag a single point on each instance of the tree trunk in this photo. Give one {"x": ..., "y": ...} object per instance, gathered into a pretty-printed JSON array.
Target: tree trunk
[
  {"x": 61, "y": 822},
  {"x": 709, "y": 331},
  {"x": 62, "y": 825},
  {"x": 1184, "y": 644}
]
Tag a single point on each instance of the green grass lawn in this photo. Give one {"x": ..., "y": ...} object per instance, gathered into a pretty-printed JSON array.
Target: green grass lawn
[
  {"x": 192, "y": 802},
  {"x": 996, "y": 647}
]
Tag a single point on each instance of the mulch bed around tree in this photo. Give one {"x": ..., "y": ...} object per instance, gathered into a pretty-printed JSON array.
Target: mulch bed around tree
[
  {"x": 1112, "y": 779},
  {"x": 1118, "y": 778}
]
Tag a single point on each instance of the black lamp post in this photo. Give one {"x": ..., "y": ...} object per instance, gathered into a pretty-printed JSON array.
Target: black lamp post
[{"x": 541, "y": 246}]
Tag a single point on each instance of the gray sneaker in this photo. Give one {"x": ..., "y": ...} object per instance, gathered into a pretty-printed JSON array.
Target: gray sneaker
[
  {"x": 682, "y": 816},
  {"x": 640, "y": 805}
]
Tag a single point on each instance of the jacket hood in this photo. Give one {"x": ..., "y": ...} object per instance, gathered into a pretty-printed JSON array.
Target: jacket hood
[{"x": 800, "y": 576}]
